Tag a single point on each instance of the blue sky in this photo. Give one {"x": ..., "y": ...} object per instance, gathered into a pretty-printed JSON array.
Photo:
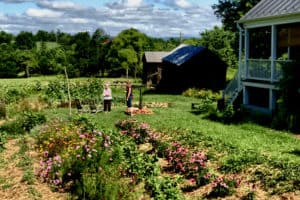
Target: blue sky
[{"x": 156, "y": 18}]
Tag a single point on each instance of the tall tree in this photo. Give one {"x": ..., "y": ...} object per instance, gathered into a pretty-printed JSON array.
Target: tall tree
[
  {"x": 220, "y": 42},
  {"x": 27, "y": 61},
  {"x": 5, "y": 37},
  {"x": 229, "y": 11},
  {"x": 128, "y": 39},
  {"x": 8, "y": 65},
  {"x": 82, "y": 52},
  {"x": 98, "y": 50},
  {"x": 41, "y": 36},
  {"x": 25, "y": 40}
]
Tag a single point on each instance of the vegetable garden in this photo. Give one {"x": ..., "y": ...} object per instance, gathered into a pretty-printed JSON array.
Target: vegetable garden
[{"x": 172, "y": 153}]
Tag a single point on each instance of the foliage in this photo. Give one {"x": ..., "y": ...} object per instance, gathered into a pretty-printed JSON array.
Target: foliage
[
  {"x": 288, "y": 113},
  {"x": 222, "y": 43},
  {"x": 163, "y": 187},
  {"x": 223, "y": 186},
  {"x": 91, "y": 88},
  {"x": 240, "y": 161},
  {"x": 24, "y": 123},
  {"x": 140, "y": 166},
  {"x": 6, "y": 37},
  {"x": 140, "y": 132},
  {"x": 8, "y": 65},
  {"x": 231, "y": 11},
  {"x": 2, "y": 109},
  {"x": 126, "y": 52},
  {"x": 25, "y": 40},
  {"x": 84, "y": 163},
  {"x": 99, "y": 46},
  {"x": 2, "y": 140},
  {"x": 191, "y": 165},
  {"x": 31, "y": 119}
]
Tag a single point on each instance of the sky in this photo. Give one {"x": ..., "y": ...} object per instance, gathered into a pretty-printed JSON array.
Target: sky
[{"x": 156, "y": 18}]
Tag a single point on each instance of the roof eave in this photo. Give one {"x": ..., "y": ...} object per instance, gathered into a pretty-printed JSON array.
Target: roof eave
[{"x": 271, "y": 19}]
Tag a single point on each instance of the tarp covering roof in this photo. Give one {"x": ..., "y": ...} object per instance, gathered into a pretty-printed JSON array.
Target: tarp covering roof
[
  {"x": 271, "y": 8},
  {"x": 182, "y": 53},
  {"x": 155, "y": 56}
]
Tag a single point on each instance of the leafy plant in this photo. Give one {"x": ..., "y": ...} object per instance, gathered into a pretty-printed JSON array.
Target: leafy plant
[
  {"x": 223, "y": 186},
  {"x": 139, "y": 165},
  {"x": 85, "y": 163},
  {"x": 31, "y": 119},
  {"x": 3, "y": 136},
  {"x": 2, "y": 109},
  {"x": 163, "y": 187}
]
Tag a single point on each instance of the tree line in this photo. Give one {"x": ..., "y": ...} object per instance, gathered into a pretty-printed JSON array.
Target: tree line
[{"x": 99, "y": 54}]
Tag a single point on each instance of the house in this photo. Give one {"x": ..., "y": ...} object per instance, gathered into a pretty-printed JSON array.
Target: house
[
  {"x": 152, "y": 62},
  {"x": 189, "y": 66},
  {"x": 269, "y": 39}
]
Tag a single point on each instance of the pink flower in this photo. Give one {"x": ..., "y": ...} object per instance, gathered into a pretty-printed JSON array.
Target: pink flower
[{"x": 82, "y": 136}]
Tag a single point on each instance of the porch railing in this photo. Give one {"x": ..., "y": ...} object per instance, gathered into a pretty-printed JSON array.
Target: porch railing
[
  {"x": 261, "y": 69},
  {"x": 232, "y": 90}
]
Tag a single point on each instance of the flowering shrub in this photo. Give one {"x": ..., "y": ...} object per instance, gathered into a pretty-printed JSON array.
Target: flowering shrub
[
  {"x": 85, "y": 163},
  {"x": 191, "y": 164},
  {"x": 223, "y": 186},
  {"x": 140, "y": 132}
]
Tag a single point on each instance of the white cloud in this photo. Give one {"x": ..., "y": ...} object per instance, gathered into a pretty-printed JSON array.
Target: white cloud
[
  {"x": 79, "y": 21},
  {"x": 33, "y": 12},
  {"x": 133, "y": 3},
  {"x": 183, "y": 3},
  {"x": 59, "y": 5},
  {"x": 156, "y": 18}
]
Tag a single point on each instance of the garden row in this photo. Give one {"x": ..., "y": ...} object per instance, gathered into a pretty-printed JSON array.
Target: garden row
[{"x": 96, "y": 165}]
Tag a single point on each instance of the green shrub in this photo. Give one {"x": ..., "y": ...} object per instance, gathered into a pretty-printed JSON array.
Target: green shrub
[
  {"x": 2, "y": 110},
  {"x": 223, "y": 186},
  {"x": 14, "y": 95},
  {"x": 85, "y": 163},
  {"x": 12, "y": 128},
  {"x": 139, "y": 165},
  {"x": 237, "y": 162},
  {"x": 2, "y": 140},
  {"x": 163, "y": 187},
  {"x": 31, "y": 119}
]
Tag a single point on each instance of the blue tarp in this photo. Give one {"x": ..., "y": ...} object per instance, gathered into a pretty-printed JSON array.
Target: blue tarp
[{"x": 182, "y": 54}]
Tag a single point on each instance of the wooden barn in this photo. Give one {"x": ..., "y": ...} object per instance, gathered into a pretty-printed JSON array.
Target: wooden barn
[
  {"x": 152, "y": 63},
  {"x": 190, "y": 66}
]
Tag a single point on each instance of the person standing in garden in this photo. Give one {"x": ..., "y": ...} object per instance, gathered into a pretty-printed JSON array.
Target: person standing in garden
[
  {"x": 107, "y": 98},
  {"x": 129, "y": 97}
]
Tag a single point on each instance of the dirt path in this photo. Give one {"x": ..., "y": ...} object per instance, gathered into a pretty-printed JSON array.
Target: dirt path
[{"x": 12, "y": 185}]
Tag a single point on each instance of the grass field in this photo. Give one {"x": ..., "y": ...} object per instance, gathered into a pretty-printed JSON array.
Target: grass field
[{"x": 264, "y": 154}]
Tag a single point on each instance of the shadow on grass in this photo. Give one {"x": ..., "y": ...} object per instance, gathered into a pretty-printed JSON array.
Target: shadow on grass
[{"x": 295, "y": 152}]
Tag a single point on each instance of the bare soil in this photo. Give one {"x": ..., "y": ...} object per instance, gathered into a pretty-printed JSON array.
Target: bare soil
[{"x": 11, "y": 184}]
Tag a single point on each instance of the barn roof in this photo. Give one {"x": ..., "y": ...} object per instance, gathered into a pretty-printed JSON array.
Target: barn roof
[
  {"x": 155, "y": 56},
  {"x": 271, "y": 8},
  {"x": 182, "y": 53}
]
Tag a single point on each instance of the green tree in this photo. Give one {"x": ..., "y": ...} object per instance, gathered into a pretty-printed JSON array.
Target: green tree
[
  {"x": 288, "y": 115},
  {"x": 25, "y": 40},
  {"x": 8, "y": 65},
  {"x": 229, "y": 11},
  {"x": 5, "y": 37},
  {"x": 82, "y": 52},
  {"x": 41, "y": 36},
  {"x": 98, "y": 50},
  {"x": 132, "y": 40},
  {"x": 27, "y": 61},
  {"x": 220, "y": 42}
]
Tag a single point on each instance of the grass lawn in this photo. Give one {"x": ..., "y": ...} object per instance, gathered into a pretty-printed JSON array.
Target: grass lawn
[{"x": 266, "y": 155}]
